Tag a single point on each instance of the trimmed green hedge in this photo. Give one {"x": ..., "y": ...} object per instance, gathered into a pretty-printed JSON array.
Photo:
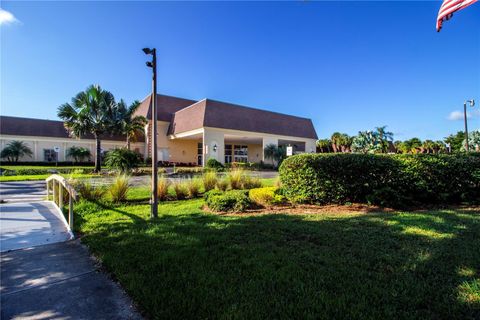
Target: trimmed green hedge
[
  {"x": 388, "y": 180},
  {"x": 234, "y": 200}
]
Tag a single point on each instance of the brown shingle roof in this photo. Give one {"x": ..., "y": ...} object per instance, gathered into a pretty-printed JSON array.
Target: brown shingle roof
[
  {"x": 167, "y": 105},
  {"x": 17, "y": 126},
  {"x": 216, "y": 114}
]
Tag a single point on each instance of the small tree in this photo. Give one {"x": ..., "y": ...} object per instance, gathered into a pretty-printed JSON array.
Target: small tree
[
  {"x": 16, "y": 150},
  {"x": 122, "y": 159},
  {"x": 78, "y": 153}
]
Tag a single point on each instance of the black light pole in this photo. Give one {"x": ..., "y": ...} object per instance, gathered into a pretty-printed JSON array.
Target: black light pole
[
  {"x": 154, "y": 199},
  {"x": 472, "y": 103}
]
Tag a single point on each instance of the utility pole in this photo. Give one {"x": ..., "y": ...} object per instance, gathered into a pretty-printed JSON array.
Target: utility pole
[
  {"x": 154, "y": 199},
  {"x": 472, "y": 103}
]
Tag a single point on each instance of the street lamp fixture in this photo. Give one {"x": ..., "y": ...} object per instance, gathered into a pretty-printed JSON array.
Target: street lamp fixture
[
  {"x": 472, "y": 104},
  {"x": 153, "y": 64}
]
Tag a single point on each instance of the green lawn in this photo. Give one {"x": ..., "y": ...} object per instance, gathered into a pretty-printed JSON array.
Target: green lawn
[{"x": 190, "y": 264}]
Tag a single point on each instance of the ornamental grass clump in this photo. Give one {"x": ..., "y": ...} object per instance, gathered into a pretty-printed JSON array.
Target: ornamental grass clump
[
  {"x": 209, "y": 180},
  {"x": 88, "y": 191},
  {"x": 162, "y": 188},
  {"x": 251, "y": 182},
  {"x": 193, "y": 187},
  {"x": 236, "y": 178},
  {"x": 181, "y": 189},
  {"x": 222, "y": 184},
  {"x": 119, "y": 188}
]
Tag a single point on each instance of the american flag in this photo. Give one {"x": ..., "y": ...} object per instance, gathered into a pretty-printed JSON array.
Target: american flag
[{"x": 449, "y": 7}]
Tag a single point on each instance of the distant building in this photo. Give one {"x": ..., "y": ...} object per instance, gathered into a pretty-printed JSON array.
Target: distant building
[{"x": 188, "y": 132}]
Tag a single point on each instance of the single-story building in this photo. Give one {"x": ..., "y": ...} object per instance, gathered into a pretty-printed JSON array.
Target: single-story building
[{"x": 188, "y": 131}]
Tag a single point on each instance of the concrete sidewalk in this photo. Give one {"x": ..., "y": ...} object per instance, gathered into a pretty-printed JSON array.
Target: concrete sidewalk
[
  {"x": 28, "y": 224},
  {"x": 59, "y": 281}
]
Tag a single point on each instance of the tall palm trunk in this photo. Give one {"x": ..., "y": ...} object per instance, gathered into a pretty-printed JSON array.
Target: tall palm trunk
[
  {"x": 98, "y": 156},
  {"x": 128, "y": 142}
]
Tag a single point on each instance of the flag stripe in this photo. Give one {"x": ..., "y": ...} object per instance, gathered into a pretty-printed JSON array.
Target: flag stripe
[{"x": 448, "y": 7}]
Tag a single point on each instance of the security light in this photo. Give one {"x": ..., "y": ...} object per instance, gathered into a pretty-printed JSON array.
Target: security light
[
  {"x": 149, "y": 64},
  {"x": 147, "y": 50}
]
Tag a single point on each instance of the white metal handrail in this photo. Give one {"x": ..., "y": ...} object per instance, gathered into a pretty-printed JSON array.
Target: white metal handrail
[{"x": 59, "y": 183}]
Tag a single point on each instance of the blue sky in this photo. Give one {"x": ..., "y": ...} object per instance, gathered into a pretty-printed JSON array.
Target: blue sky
[{"x": 349, "y": 66}]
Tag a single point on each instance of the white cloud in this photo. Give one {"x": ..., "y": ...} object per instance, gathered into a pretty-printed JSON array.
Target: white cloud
[
  {"x": 7, "y": 18},
  {"x": 458, "y": 115}
]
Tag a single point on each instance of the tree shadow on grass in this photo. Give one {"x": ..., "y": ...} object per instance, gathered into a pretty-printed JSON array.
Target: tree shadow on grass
[{"x": 377, "y": 265}]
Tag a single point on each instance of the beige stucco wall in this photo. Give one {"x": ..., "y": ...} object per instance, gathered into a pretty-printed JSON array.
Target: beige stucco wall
[
  {"x": 183, "y": 150},
  {"x": 38, "y": 144},
  {"x": 255, "y": 152}
]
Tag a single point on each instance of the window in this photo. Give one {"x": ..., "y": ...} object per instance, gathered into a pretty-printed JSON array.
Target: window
[
  {"x": 49, "y": 155},
  {"x": 228, "y": 153},
  {"x": 199, "y": 153},
  {"x": 240, "y": 153}
]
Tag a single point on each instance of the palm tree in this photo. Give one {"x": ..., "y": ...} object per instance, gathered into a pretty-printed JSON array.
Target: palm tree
[
  {"x": 90, "y": 112},
  {"x": 274, "y": 152},
  {"x": 336, "y": 141},
  {"x": 384, "y": 138},
  {"x": 16, "y": 150},
  {"x": 129, "y": 124},
  {"x": 78, "y": 153},
  {"x": 341, "y": 142},
  {"x": 325, "y": 145}
]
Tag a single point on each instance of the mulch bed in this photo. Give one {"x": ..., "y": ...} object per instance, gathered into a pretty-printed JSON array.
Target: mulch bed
[{"x": 358, "y": 208}]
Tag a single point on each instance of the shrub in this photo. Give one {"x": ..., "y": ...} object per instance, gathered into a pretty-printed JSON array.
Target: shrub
[
  {"x": 389, "y": 180},
  {"x": 122, "y": 159},
  {"x": 214, "y": 164},
  {"x": 181, "y": 190},
  {"x": 209, "y": 180},
  {"x": 162, "y": 188},
  {"x": 222, "y": 184},
  {"x": 119, "y": 188},
  {"x": 234, "y": 200},
  {"x": 266, "y": 197},
  {"x": 89, "y": 192},
  {"x": 193, "y": 187},
  {"x": 188, "y": 170},
  {"x": 211, "y": 193}
]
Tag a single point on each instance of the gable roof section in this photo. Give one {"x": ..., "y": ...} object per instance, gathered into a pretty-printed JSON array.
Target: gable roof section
[
  {"x": 189, "y": 118},
  {"x": 167, "y": 105},
  {"x": 17, "y": 126},
  {"x": 216, "y": 114}
]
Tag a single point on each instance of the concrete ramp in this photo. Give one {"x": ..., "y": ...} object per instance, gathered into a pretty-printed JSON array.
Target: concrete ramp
[{"x": 30, "y": 224}]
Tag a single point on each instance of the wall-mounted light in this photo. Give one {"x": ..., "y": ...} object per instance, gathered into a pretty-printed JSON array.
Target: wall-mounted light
[{"x": 214, "y": 148}]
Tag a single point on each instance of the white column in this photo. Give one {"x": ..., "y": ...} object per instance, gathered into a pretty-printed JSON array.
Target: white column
[
  {"x": 311, "y": 146},
  {"x": 213, "y": 145}
]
